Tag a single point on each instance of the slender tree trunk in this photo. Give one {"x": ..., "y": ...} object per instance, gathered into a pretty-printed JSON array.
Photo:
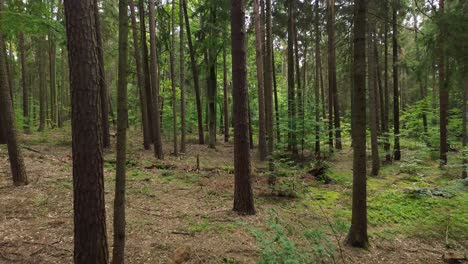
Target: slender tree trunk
[
  {"x": 316, "y": 80},
  {"x": 388, "y": 155},
  {"x": 464, "y": 133},
  {"x": 292, "y": 140},
  {"x": 243, "y": 194},
  {"x": 53, "y": 75},
  {"x": 419, "y": 78},
  {"x": 225, "y": 95},
  {"x": 90, "y": 242},
  {"x": 443, "y": 93},
  {"x": 140, "y": 79},
  {"x": 275, "y": 93},
  {"x": 212, "y": 89},
  {"x": 122, "y": 121},
  {"x": 42, "y": 85},
  {"x": 357, "y": 236},
  {"x": 201, "y": 139},
  {"x": 262, "y": 148},
  {"x": 182, "y": 77},
  {"x": 24, "y": 83},
  {"x": 104, "y": 96},
  {"x": 7, "y": 121},
  {"x": 300, "y": 107},
  {"x": 373, "y": 99},
  {"x": 158, "y": 152},
  {"x": 332, "y": 84},
  {"x": 380, "y": 93},
  {"x": 396, "y": 92},
  {"x": 173, "y": 80},
  {"x": 268, "y": 76}
]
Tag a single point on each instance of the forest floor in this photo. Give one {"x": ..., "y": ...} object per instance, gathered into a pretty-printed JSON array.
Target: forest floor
[{"x": 417, "y": 212}]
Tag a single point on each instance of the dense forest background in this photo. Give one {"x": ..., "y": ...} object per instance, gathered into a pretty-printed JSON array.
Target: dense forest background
[{"x": 338, "y": 124}]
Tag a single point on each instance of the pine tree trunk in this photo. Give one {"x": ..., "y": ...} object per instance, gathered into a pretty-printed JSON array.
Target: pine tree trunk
[
  {"x": 388, "y": 155},
  {"x": 182, "y": 77},
  {"x": 396, "y": 92},
  {"x": 357, "y": 236},
  {"x": 373, "y": 101},
  {"x": 300, "y": 108},
  {"x": 42, "y": 85},
  {"x": 243, "y": 194},
  {"x": 292, "y": 140},
  {"x": 262, "y": 148},
  {"x": 122, "y": 121},
  {"x": 158, "y": 152},
  {"x": 8, "y": 131},
  {"x": 140, "y": 80},
  {"x": 225, "y": 95},
  {"x": 268, "y": 76},
  {"x": 316, "y": 80},
  {"x": 275, "y": 93},
  {"x": 443, "y": 93},
  {"x": 90, "y": 242},
  {"x": 173, "y": 81},
  {"x": 464, "y": 133},
  {"x": 201, "y": 139},
  {"x": 332, "y": 84},
  {"x": 53, "y": 74},
  {"x": 104, "y": 94},
  {"x": 212, "y": 89},
  {"x": 24, "y": 83}
]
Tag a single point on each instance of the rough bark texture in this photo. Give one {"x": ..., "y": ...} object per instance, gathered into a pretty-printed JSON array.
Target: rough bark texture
[
  {"x": 104, "y": 94},
  {"x": 118, "y": 252},
  {"x": 158, "y": 152},
  {"x": 182, "y": 77},
  {"x": 7, "y": 122},
  {"x": 140, "y": 79},
  {"x": 396, "y": 91},
  {"x": 262, "y": 148},
  {"x": 357, "y": 235},
  {"x": 243, "y": 194},
  {"x": 90, "y": 242},
  {"x": 443, "y": 94},
  {"x": 201, "y": 139}
]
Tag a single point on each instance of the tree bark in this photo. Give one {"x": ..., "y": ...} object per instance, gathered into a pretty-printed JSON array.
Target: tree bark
[
  {"x": 316, "y": 80},
  {"x": 357, "y": 236},
  {"x": 300, "y": 107},
  {"x": 90, "y": 242},
  {"x": 118, "y": 253},
  {"x": 268, "y": 75},
  {"x": 275, "y": 91},
  {"x": 332, "y": 84},
  {"x": 211, "y": 84},
  {"x": 225, "y": 95},
  {"x": 396, "y": 92},
  {"x": 158, "y": 152},
  {"x": 7, "y": 121},
  {"x": 373, "y": 99},
  {"x": 53, "y": 74},
  {"x": 388, "y": 155},
  {"x": 292, "y": 140},
  {"x": 182, "y": 77},
  {"x": 173, "y": 81},
  {"x": 104, "y": 94},
  {"x": 443, "y": 93},
  {"x": 243, "y": 194},
  {"x": 262, "y": 148},
  {"x": 42, "y": 85},
  {"x": 201, "y": 139},
  {"x": 464, "y": 133},
  {"x": 24, "y": 83}
]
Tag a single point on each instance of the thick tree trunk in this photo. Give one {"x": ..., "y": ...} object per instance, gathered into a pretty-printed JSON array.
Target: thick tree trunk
[
  {"x": 158, "y": 152},
  {"x": 443, "y": 94},
  {"x": 118, "y": 252},
  {"x": 90, "y": 242},
  {"x": 182, "y": 77},
  {"x": 243, "y": 194},
  {"x": 7, "y": 122},
  {"x": 372, "y": 99},
  {"x": 201, "y": 139},
  {"x": 262, "y": 148},
  {"x": 316, "y": 80},
  {"x": 396, "y": 92},
  {"x": 24, "y": 83},
  {"x": 104, "y": 94},
  {"x": 173, "y": 81},
  {"x": 140, "y": 80},
  {"x": 357, "y": 236},
  {"x": 332, "y": 84}
]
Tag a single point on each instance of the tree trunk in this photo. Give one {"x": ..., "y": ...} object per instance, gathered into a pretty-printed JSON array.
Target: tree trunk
[
  {"x": 396, "y": 92},
  {"x": 118, "y": 253},
  {"x": 268, "y": 75},
  {"x": 357, "y": 236},
  {"x": 300, "y": 107},
  {"x": 24, "y": 83},
  {"x": 53, "y": 74},
  {"x": 104, "y": 96},
  {"x": 212, "y": 89},
  {"x": 262, "y": 148},
  {"x": 243, "y": 194},
  {"x": 316, "y": 80},
  {"x": 464, "y": 133},
  {"x": 443, "y": 93},
  {"x": 225, "y": 95},
  {"x": 292, "y": 140},
  {"x": 373, "y": 99},
  {"x": 140, "y": 80},
  {"x": 90, "y": 242},
  {"x": 7, "y": 121},
  {"x": 42, "y": 85},
  {"x": 388, "y": 155},
  {"x": 158, "y": 152},
  {"x": 196, "y": 82},
  {"x": 173, "y": 80},
  {"x": 182, "y": 77},
  {"x": 275, "y": 91},
  {"x": 332, "y": 85}
]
